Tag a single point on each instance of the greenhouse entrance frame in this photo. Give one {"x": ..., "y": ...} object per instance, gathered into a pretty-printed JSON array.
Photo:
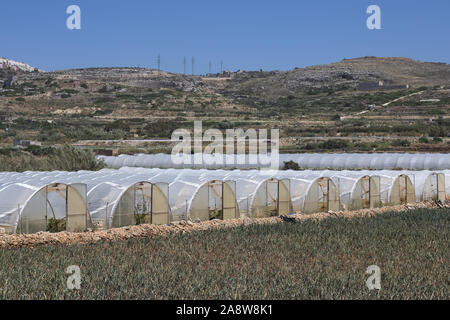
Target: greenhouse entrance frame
[
  {"x": 324, "y": 194},
  {"x": 370, "y": 192},
  {"x": 35, "y": 215},
  {"x": 142, "y": 202},
  {"x": 214, "y": 199},
  {"x": 317, "y": 196},
  {"x": 405, "y": 194},
  {"x": 437, "y": 188}
]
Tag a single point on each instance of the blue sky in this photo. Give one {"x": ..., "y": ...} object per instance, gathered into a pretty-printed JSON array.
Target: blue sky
[{"x": 245, "y": 34}]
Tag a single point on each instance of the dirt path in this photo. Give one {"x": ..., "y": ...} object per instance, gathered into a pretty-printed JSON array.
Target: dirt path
[
  {"x": 395, "y": 100},
  {"x": 383, "y": 105},
  {"x": 144, "y": 231}
]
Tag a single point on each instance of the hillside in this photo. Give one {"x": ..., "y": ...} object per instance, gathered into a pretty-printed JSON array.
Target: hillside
[
  {"x": 319, "y": 101},
  {"x": 271, "y": 88}
]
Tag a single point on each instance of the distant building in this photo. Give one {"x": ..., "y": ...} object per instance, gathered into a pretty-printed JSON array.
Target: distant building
[
  {"x": 430, "y": 100},
  {"x": 104, "y": 152},
  {"x": 9, "y": 82},
  {"x": 25, "y": 143},
  {"x": 380, "y": 85}
]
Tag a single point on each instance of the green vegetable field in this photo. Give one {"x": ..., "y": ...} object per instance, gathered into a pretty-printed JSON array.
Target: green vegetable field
[{"x": 310, "y": 259}]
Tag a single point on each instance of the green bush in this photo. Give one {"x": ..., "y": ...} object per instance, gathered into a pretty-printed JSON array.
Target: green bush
[
  {"x": 400, "y": 143},
  {"x": 291, "y": 165},
  {"x": 56, "y": 225},
  {"x": 66, "y": 158}
]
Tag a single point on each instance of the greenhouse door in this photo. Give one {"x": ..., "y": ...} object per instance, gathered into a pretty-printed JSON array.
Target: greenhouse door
[
  {"x": 333, "y": 197},
  {"x": 366, "y": 192},
  {"x": 215, "y": 200},
  {"x": 436, "y": 190},
  {"x": 322, "y": 196},
  {"x": 142, "y": 203},
  {"x": 160, "y": 204},
  {"x": 403, "y": 189},
  {"x": 374, "y": 192},
  {"x": 272, "y": 186},
  {"x": 229, "y": 200},
  {"x": 76, "y": 208},
  {"x": 284, "y": 197},
  {"x": 441, "y": 186},
  {"x": 430, "y": 188}
]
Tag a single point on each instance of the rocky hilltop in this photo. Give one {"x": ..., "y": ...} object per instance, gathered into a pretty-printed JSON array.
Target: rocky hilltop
[{"x": 14, "y": 66}]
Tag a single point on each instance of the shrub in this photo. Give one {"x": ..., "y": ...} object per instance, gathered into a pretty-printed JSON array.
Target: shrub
[
  {"x": 423, "y": 140},
  {"x": 400, "y": 143},
  {"x": 56, "y": 225},
  {"x": 336, "y": 117},
  {"x": 291, "y": 165},
  {"x": 65, "y": 158}
]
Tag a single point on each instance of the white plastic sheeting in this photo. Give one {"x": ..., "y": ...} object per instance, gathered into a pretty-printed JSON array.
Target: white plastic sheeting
[
  {"x": 311, "y": 191},
  {"x": 374, "y": 161},
  {"x": 446, "y": 174},
  {"x": 14, "y": 197},
  {"x": 113, "y": 196},
  {"x": 396, "y": 187},
  {"x": 358, "y": 189},
  {"x": 26, "y": 207},
  {"x": 260, "y": 194},
  {"x": 193, "y": 193},
  {"x": 105, "y": 190},
  {"x": 428, "y": 185}
]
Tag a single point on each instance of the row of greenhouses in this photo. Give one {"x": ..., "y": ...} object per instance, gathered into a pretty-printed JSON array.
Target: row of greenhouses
[
  {"x": 356, "y": 161},
  {"x": 75, "y": 201}
]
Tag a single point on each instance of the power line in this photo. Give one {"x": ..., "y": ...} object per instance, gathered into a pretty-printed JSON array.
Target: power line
[{"x": 159, "y": 63}]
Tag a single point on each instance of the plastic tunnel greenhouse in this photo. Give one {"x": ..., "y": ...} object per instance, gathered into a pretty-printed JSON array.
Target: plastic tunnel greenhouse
[
  {"x": 112, "y": 199},
  {"x": 29, "y": 207},
  {"x": 261, "y": 195},
  {"x": 356, "y": 161},
  {"x": 311, "y": 191},
  {"x": 199, "y": 194},
  {"x": 74, "y": 201},
  {"x": 358, "y": 189},
  {"x": 396, "y": 188},
  {"x": 428, "y": 185}
]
